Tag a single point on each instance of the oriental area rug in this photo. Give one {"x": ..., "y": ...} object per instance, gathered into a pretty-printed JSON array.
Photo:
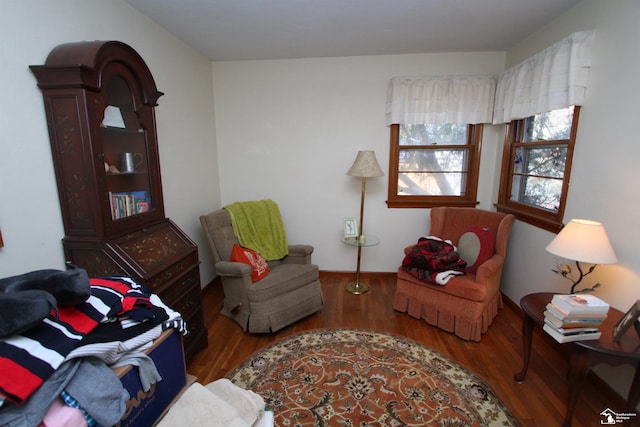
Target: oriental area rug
[{"x": 358, "y": 378}]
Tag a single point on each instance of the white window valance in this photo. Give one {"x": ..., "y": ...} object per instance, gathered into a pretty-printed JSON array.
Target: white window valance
[
  {"x": 552, "y": 79},
  {"x": 440, "y": 100}
]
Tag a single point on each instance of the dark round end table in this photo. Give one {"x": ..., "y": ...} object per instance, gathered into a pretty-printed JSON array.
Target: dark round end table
[{"x": 583, "y": 354}]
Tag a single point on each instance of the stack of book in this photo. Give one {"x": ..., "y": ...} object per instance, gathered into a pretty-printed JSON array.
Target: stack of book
[{"x": 575, "y": 317}]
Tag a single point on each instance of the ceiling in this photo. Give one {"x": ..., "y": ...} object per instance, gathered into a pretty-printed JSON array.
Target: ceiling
[{"x": 226, "y": 30}]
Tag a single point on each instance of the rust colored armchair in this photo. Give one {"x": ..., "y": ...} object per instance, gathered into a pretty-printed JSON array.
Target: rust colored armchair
[{"x": 467, "y": 304}]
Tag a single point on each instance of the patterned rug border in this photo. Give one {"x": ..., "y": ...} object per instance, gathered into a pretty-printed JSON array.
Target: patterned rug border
[{"x": 250, "y": 370}]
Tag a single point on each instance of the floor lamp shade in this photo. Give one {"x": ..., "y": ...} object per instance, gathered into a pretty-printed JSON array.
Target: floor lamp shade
[{"x": 365, "y": 165}]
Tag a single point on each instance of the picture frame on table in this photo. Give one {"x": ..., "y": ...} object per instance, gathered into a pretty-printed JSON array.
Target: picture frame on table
[
  {"x": 630, "y": 318},
  {"x": 350, "y": 227}
]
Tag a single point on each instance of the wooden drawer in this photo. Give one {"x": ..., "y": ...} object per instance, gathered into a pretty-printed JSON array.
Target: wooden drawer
[
  {"x": 184, "y": 296},
  {"x": 173, "y": 291},
  {"x": 189, "y": 303},
  {"x": 173, "y": 273},
  {"x": 197, "y": 338}
]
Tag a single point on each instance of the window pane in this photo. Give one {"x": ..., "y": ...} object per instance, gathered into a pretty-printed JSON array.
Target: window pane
[
  {"x": 430, "y": 134},
  {"x": 430, "y": 184},
  {"x": 551, "y": 126},
  {"x": 428, "y": 159},
  {"x": 431, "y": 172},
  {"x": 542, "y": 161},
  {"x": 541, "y": 192}
]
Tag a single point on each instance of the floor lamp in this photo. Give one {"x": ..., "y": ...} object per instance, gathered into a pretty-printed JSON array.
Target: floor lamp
[{"x": 365, "y": 166}]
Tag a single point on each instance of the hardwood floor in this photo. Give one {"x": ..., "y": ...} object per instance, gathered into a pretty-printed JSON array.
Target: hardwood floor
[{"x": 539, "y": 401}]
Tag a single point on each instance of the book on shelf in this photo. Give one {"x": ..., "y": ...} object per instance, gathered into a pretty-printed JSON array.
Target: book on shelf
[
  {"x": 563, "y": 338},
  {"x": 125, "y": 204},
  {"x": 579, "y": 322},
  {"x": 580, "y": 304}
]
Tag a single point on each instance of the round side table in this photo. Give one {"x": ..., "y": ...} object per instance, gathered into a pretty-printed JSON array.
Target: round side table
[
  {"x": 358, "y": 287},
  {"x": 583, "y": 354}
]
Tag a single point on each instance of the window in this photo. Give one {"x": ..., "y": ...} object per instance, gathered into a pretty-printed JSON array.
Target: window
[
  {"x": 536, "y": 166},
  {"x": 434, "y": 165}
]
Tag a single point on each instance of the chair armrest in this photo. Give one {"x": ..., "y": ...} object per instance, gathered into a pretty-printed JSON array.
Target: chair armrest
[
  {"x": 236, "y": 280},
  {"x": 233, "y": 269},
  {"x": 298, "y": 254},
  {"x": 489, "y": 268}
]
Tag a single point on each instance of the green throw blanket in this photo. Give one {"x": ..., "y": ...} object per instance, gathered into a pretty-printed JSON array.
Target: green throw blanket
[{"x": 258, "y": 226}]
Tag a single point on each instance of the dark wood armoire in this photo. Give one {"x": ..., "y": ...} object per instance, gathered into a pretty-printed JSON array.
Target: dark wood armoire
[{"x": 99, "y": 99}]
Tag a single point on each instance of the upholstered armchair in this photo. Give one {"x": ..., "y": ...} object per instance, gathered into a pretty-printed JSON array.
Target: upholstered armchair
[
  {"x": 467, "y": 304},
  {"x": 289, "y": 292}
]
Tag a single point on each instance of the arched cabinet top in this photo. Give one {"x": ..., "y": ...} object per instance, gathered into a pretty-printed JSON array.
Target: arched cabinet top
[{"x": 81, "y": 64}]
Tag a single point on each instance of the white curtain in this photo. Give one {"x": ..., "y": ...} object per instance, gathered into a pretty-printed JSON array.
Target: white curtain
[
  {"x": 552, "y": 79},
  {"x": 440, "y": 100}
]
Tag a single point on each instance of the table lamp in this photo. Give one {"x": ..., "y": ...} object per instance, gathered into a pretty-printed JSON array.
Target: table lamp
[
  {"x": 584, "y": 241},
  {"x": 365, "y": 166}
]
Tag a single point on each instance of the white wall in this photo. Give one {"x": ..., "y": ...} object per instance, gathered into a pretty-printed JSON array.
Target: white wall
[
  {"x": 605, "y": 175},
  {"x": 290, "y": 129},
  {"x": 30, "y": 217},
  {"x": 605, "y": 167}
]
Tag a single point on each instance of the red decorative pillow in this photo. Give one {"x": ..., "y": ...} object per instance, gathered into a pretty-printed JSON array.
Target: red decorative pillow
[
  {"x": 259, "y": 266},
  {"x": 476, "y": 246}
]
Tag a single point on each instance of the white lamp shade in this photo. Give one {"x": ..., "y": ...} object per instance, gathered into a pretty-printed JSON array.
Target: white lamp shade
[
  {"x": 585, "y": 241},
  {"x": 365, "y": 165}
]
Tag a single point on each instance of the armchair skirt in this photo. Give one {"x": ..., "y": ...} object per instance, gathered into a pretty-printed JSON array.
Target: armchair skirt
[{"x": 447, "y": 307}]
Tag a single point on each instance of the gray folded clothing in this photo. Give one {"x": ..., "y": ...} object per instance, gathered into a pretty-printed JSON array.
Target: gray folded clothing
[{"x": 99, "y": 391}]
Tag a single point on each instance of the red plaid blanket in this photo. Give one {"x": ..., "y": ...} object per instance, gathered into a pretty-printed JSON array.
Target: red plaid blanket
[{"x": 434, "y": 260}]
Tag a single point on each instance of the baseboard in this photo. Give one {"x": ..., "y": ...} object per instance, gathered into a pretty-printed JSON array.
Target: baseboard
[
  {"x": 366, "y": 274},
  {"x": 216, "y": 281},
  {"x": 512, "y": 304}
]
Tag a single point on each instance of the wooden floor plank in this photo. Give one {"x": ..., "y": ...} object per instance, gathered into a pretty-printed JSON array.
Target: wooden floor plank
[{"x": 539, "y": 401}]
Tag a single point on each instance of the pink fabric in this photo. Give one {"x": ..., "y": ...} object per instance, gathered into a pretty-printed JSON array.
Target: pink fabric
[{"x": 62, "y": 415}]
